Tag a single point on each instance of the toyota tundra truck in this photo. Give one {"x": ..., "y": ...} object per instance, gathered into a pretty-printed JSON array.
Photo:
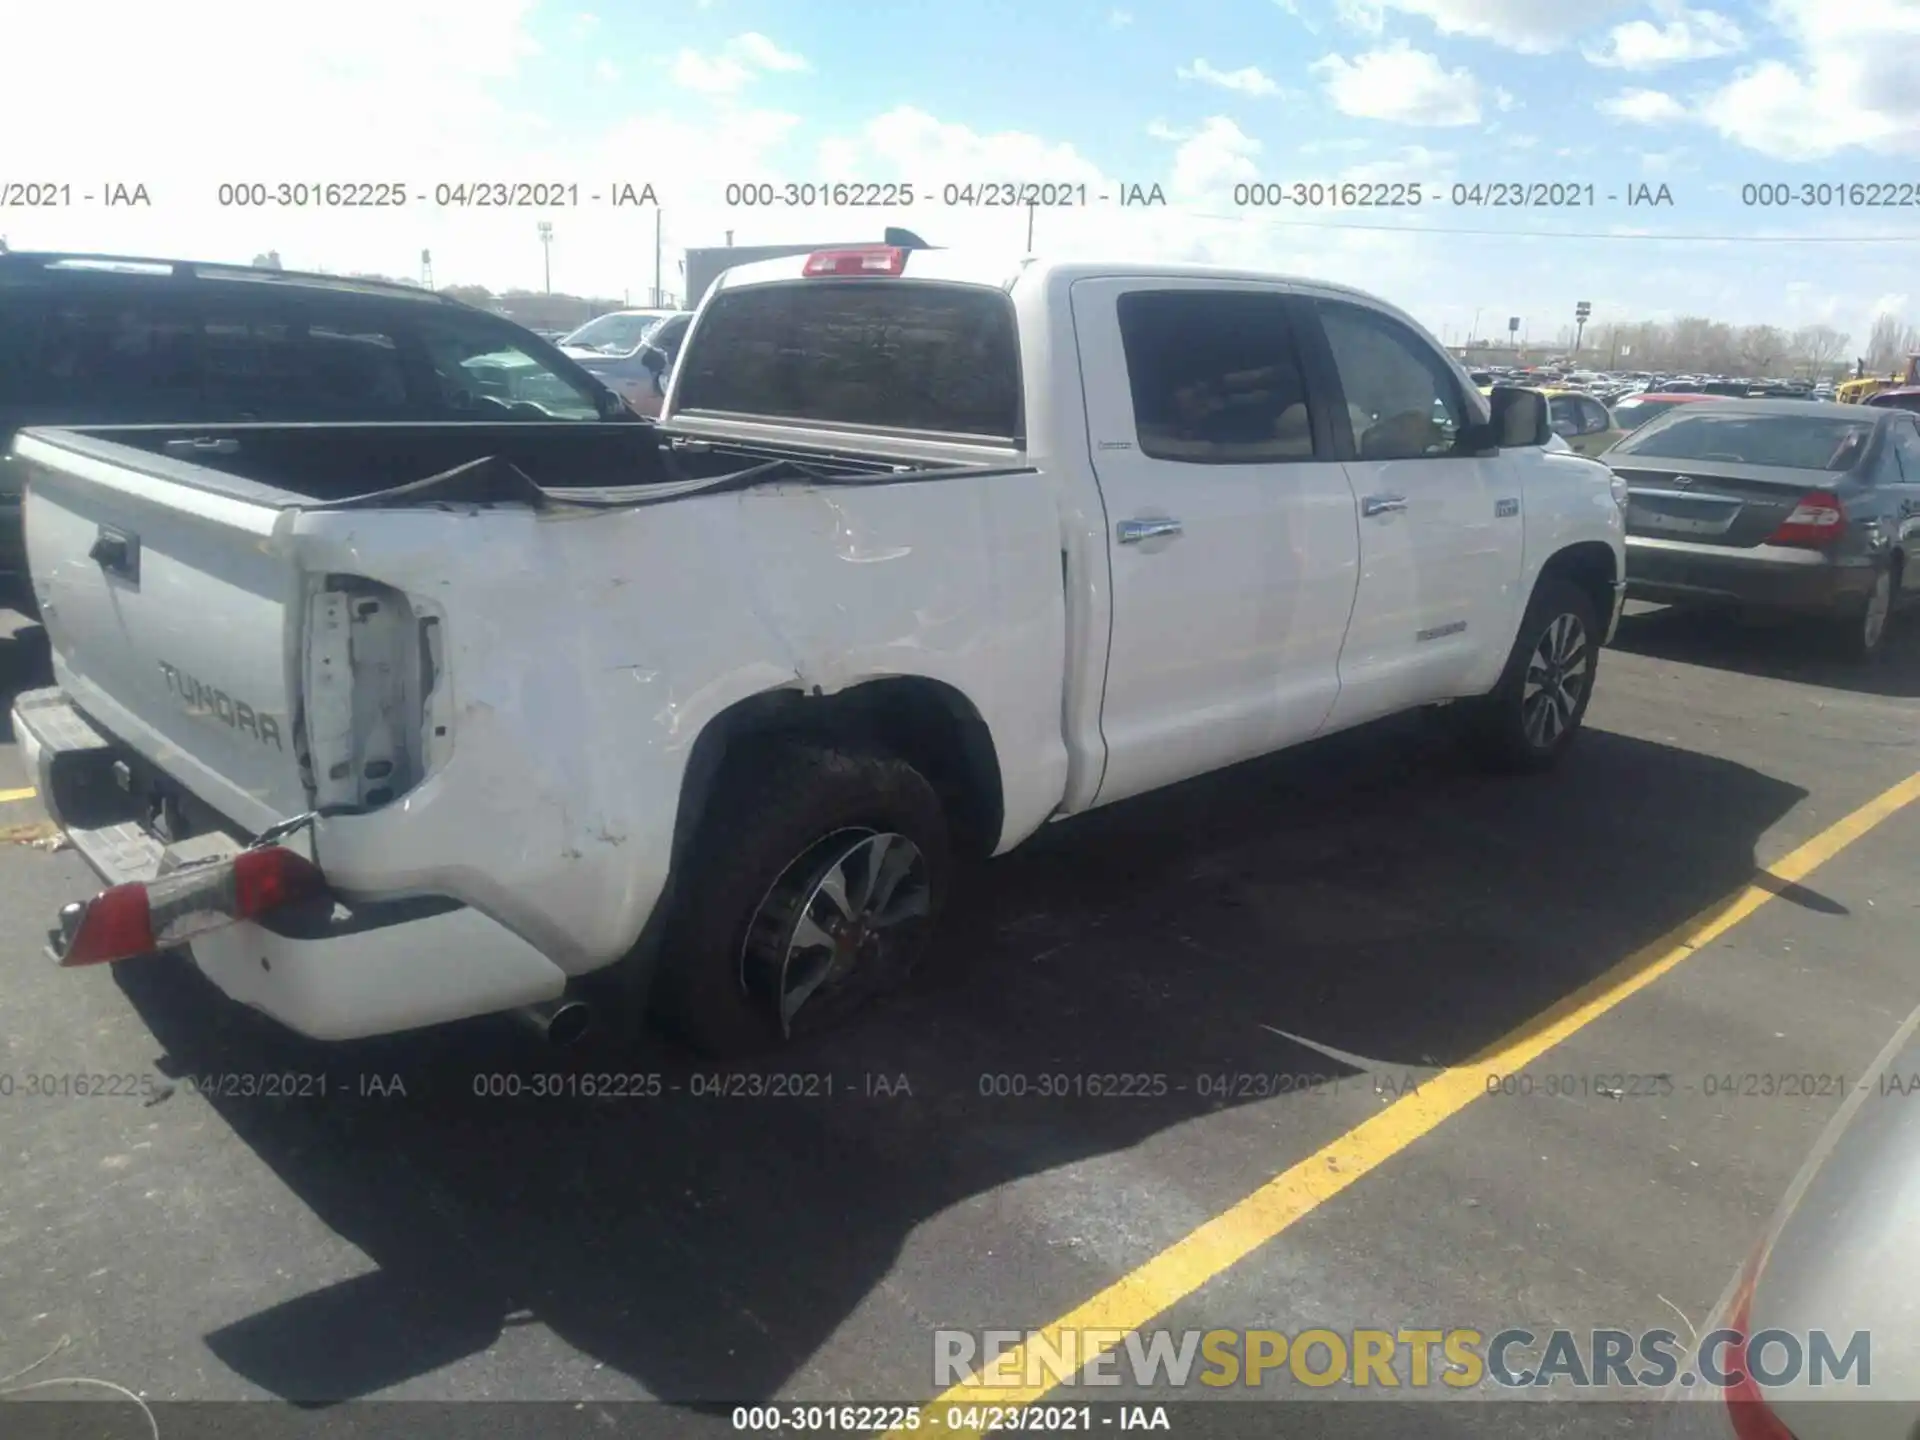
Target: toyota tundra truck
[{"x": 392, "y": 725}]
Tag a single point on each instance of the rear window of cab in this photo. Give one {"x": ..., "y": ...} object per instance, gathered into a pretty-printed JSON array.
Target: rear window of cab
[{"x": 884, "y": 354}]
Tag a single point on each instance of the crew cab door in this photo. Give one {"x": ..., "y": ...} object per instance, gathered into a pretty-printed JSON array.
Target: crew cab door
[
  {"x": 1440, "y": 531},
  {"x": 1230, "y": 526}
]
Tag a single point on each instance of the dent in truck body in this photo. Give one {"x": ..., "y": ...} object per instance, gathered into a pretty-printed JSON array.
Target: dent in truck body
[{"x": 555, "y": 812}]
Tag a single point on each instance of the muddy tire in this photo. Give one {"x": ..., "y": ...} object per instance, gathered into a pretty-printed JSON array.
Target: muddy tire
[{"x": 816, "y": 878}]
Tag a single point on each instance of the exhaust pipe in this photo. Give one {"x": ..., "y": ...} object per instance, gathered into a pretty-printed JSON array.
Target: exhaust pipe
[{"x": 560, "y": 1023}]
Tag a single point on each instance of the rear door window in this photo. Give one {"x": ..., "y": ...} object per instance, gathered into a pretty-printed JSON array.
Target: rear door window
[
  {"x": 1215, "y": 377},
  {"x": 118, "y": 356},
  {"x": 870, "y": 354}
]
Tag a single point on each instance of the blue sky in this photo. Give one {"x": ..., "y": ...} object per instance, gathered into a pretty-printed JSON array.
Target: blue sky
[{"x": 1704, "y": 98}]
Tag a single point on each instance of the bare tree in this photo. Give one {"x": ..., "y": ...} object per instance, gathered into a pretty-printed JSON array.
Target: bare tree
[
  {"x": 1885, "y": 344},
  {"x": 1759, "y": 346},
  {"x": 1818, "y": 346},
  {"x": 268, "y": 261}
]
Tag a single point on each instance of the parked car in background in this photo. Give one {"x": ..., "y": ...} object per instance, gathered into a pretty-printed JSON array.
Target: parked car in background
[
  {"x": 1837, "y": 1260},
  {"x": 640, "y": 375},
  {"x": 618, "y": 332},
  {"x": 106, "y": 340},
  {"x": 1788, "y": 505},
  {"x": 1636, "y": 410},
  {"x": 973, "y": 544},
  {"x": 1904, "y": 397}
]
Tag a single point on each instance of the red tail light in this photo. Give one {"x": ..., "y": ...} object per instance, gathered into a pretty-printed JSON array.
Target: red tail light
[
  {"x": 1747, "y": 1408},
  {"x": 868, "y": 260},
  {"x": 1817, "y": 520},
  {"x": 139, "y": 919}
]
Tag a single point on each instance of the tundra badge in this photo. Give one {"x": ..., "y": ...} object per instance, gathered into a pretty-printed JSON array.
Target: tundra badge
[{"x": 204, "y": 700}]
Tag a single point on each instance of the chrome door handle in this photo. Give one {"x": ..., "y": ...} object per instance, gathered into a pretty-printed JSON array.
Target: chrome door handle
[
  {"x": 1132, "y": 532},
  {"x": 1382, "y": 504}
]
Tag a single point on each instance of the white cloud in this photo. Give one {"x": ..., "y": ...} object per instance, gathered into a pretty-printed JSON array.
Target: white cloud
[
  {"x": 1853, "y": 84},
  {"x": 1412, "y": 163},
  {"x": 1402, "y": 84},
  {"x": 1532, "y": 27},
  {"x": 1686, "y": 35},
  {"x": 1249, "y": 80},
  {"x": 606, "y": 70},
  {"x": 1365, "y": 17},
  {"x": 1120, "y": 19},
  {"x": 1644, "y": 107},
  {"x": 1211, "y": 161},
  {"x": 756, "y": 49},
  {"x": 1894, "y": 302},
  {"x": 739, "y": 62},
  {"x": 343, "y": 108}
]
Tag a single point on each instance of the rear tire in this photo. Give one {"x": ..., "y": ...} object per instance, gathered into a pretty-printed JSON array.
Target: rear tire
[
  {"x": 1863, "y": 636},
  {"x": 817, "y": 877},
  {"x": 1528, "y": 721}
]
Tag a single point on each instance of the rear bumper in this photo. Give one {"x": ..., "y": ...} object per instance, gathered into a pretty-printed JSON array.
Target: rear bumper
[
  {"x": 1774, "y": 577},
  {"x": 360, "y": 970}
]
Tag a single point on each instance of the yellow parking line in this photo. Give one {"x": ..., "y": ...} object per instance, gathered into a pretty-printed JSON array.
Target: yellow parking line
[
  {"x": 1183, "y": 1267},
  {"x": 26, "y": 794}
]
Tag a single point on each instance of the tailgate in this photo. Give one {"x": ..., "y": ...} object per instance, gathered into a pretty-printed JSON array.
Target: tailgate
[
  {"x": 1710, "y": 502},
  {"x": 172, "y": 617}
]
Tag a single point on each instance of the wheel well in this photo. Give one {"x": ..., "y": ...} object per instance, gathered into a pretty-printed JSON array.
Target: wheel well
[
  {"x": 1589, "y": 565},
  {"x": 930, "y": 725}
]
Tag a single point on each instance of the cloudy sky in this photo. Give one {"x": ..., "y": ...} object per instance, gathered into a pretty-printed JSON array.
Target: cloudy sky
[{"x": 1197, "y": 98}]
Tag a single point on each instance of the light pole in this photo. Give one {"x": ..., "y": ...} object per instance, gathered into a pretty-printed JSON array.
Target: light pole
[
  {"x": 1581, "y": 312},
  {"x": 546, "y": 251},
  {"x": 1473, "y": 335}
]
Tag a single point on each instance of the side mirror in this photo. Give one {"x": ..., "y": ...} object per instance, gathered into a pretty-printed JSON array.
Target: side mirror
[
  {"x": 654, "y": 360},
  {"x": 1519, "y": 417}
]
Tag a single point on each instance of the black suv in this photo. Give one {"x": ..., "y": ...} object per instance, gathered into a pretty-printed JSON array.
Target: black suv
[{"x": 110, "y": 340}]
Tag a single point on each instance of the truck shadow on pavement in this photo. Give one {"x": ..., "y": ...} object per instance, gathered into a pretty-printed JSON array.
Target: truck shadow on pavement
[
  {"x": 1371, "y": 893},
  {"x": 1793, "y": 650}
]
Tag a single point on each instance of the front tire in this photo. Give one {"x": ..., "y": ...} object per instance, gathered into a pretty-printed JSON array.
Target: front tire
[
  {"x": 1528, "y": 721},
  {"x": 817, "y": 877}
]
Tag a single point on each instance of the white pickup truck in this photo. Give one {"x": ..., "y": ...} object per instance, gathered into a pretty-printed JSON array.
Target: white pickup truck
[{"x": 392, "y": 725}]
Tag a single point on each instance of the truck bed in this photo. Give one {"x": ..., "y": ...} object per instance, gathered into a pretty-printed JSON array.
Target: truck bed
[
  {"x": 285, "y": 465},
  {"x": 221, "y": 599}
]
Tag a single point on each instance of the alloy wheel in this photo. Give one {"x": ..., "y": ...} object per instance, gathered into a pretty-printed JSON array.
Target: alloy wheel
[
  {"x": 1556, "y": 679},
  {"x": 837, "y": 924}
]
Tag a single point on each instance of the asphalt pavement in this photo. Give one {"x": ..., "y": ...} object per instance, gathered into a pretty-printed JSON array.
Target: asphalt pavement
[{"x": 1273, "y": 955}]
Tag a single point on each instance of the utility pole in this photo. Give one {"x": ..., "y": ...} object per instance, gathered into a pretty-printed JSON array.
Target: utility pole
[
  {"x": 1031, "y": 207},
  {"x": 426, "y": 268},
  {"x": 656, "y": 257},
  {"x": 546, "y": 247},
  {"x": 1581, "y": 311},
  {"x": 1473, "y": 335}
]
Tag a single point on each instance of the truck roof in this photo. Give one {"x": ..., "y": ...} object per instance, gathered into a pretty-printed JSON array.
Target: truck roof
[
  {"x": 1000, "y": 269},
  {"x": 53, "y": 265}
]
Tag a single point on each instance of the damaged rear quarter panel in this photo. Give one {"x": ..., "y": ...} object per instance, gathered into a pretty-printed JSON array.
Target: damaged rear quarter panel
[{"x": 587, "y": 651}]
